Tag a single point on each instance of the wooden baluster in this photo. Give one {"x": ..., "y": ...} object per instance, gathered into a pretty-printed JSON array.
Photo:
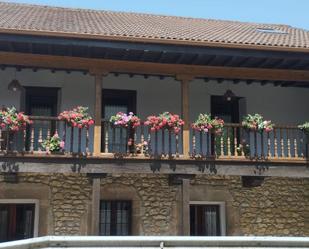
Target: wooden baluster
[
  {"x": 48, "y": 133},
  {"x": 8, "y": 141},
  {"x": 156, "y": 143},
  {"x": 128, "y": 139},
  {"x": 114, "y": 138},
  {"x": 222, "y": 145},
  {"x": 106, "y": 141},
  {"x": 32, "y": 139},
  {"x": 87, "y": 140},
  {"x": 79, "y": 141},
  {"x": 24, "y": 140},
  {"x": 268, "y": 145},
  {"x": 201, "y": 144},
  {"x": 256, "y": 155},
  {"x": 289, "y": 142},
  {"x": 295, "y": 144},
  {"x": 169, "y": 143},
  {"x": 134, "y": 140},
  {"x": 149, "y": 141},
  {"x": 207, "y": 144},
  {"x": 228, "y": 142},
  {"x": 262, "y": 145},
  {"x": 193, "y": 143},
  {"x": 163, "y": 143},
  {"x": 302, "y": 154},
  {"x": 142, "y": 139},
  {"x": 235, "y": 141},
  {"x": 1, "y": 140},
  {"x": 64, "y": 135},
  {"x": 40, "y": 140},
  {"x": 177, "y": 145},
  {"x": 281, "y": 142},
  {"x": 241, "y": 141},
  {"x": 120, "y": 139},
  {"x": 275, "y": 144},
  {"x": 72, "y": 140}
]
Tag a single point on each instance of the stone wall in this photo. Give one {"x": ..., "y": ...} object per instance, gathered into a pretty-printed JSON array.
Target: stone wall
[
  {"x": 68, "y": 197},
  {"x": 158, "y": 202},
  {"x": 280, "y": 206}
]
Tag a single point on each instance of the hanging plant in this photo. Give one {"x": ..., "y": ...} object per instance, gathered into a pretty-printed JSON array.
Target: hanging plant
[
  {"x": 257, "y": 123},
  {"x": 304, "y": 127},
  {"x": 77, "y": 117},
  {"x": 12, "y": 120},
  {"x": 53, "y": 144},
  {"x": 125, "y": 120},
  {"x": 205, "y": 123},
  {"x": 166, "y": 120}
]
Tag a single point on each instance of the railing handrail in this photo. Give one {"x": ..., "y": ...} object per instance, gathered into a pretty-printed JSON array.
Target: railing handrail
[
  {"x": 276, "y": 126},
  {"x": 158, "y": 242},
  {"x": 44, "y": 118}
]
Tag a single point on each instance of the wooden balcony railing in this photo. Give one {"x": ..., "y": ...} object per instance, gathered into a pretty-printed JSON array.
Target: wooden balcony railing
[
  {"x": 141, "y": 141},
  {"x": 30, "y": 140},
  {"x": 235, "y": 143},
  {"x": 284, "y": 142}
]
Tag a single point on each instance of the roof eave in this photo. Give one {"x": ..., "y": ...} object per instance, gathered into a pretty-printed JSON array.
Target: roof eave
[{"x": 154, "y": 40}]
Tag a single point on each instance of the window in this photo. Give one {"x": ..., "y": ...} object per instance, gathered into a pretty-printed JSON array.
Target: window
[
  {"x": 18, "y": 219},
  {"x": 207, "y": 219},
  {"x": 115, "y": 218},
  {"x": 271, "y": 31}
]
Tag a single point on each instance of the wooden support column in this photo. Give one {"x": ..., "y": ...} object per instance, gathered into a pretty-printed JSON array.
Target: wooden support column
[
  {"x": 185, "y": 207},
  {"x": 184, "y": 80},
  {"x": 96, "y": 183},
  {"x": 98, "y": 79}
]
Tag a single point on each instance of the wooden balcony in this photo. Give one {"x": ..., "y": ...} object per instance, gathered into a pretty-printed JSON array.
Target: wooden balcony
[{"x": 285, "y": 144}]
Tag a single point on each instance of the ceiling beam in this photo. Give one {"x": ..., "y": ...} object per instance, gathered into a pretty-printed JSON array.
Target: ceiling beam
[{"x": 77, "y": 63}]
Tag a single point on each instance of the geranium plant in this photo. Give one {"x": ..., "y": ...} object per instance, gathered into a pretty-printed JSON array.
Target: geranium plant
[
  {"x": 166, "y": 120},
  {"x": 205, "y": 123},
  {"x": 53, "y": 144},
  {"x": 77, "y": 117},
  {"x": 12, "y": 120},
  {"x": 304, "y": 127},
  {"x": 257, "y": 123},
  {"x": 125, "y": 120}
]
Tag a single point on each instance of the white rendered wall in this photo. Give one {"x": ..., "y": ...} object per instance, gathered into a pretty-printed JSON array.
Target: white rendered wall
[{"x": 282, "y": 105}]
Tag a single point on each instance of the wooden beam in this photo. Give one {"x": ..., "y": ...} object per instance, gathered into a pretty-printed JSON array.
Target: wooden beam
[
  {"x": 96, "y": 185},
  {"x": 184, "y": 80},
  {"x": 185, "y": 207},
  {"x": 77, "y": 63},
  {"x": 98, "y": 78}
]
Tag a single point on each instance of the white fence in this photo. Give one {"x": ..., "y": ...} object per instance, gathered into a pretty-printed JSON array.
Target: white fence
[{"x": 150, "y": 242}]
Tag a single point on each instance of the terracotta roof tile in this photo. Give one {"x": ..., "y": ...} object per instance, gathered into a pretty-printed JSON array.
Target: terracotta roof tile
[{"x": 108, "y": 24}]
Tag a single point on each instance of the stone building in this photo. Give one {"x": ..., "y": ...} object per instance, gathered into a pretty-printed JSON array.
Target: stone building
[{"x": 109, "y": 180}]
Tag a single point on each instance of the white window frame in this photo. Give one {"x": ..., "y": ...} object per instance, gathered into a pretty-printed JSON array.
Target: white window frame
[
  {"x": 36, "y": 210},
  {"x": 222, "y": 211}
]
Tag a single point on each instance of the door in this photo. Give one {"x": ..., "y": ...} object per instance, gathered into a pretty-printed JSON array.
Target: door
[
  {"x": 114, "y": 101},
  {"x": 229, "y": 111},
  {"x": 41, "y": 101},
  {"x": 16, "y": 221}
]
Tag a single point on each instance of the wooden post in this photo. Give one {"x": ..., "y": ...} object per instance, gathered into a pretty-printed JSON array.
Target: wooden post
[
  {"x": 98, "y": 77},
  {"x": 185, "y": 207},
  {"x": 184, "y": 80},
  {"x": 96, "y": 183}
]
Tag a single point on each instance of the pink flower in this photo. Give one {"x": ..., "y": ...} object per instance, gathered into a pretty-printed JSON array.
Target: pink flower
[{"x": 62, "y": 144}]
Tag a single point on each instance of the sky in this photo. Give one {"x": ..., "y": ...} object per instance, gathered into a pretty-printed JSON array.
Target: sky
[{"x": 291, "y": 12}]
